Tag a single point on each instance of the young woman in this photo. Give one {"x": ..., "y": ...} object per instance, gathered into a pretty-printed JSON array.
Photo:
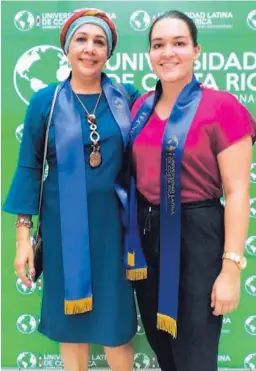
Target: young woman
[
  {"x": 87, "y": 298},
  {"x": 185, "y": 253}
]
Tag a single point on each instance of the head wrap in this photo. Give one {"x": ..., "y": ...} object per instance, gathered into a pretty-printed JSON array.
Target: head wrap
[{"x": 90, "y": 16}]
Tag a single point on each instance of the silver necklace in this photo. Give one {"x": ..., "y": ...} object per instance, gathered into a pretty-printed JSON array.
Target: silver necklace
[{"x": 95, "y": 155}]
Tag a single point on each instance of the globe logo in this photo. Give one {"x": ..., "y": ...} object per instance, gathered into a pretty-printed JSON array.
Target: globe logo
[
  {"x": 118, "y": 103},
  {"x": 26, "y": 360},
  {"x": 23, "y": 289},
  {"x": 24, "y": 20},
  {"x": 140, "y": 20},
  {"x": 251, "y": 20},
  {"x": 250, "y": 325},
  {"x": 250, "y": 361},
  {"x": 250, "y": 245},
  {"x": 37, "y": 68},
  {"x": 172, "y": 144},
  {"x": 140, "y": 328},
  {"x": 253, "y": 172},
  {"x": 141, "y": 361},
  {"x": 250, "y": 285},
  {"x": 253, "y": 207},
  {"x": 19, "y": 132},
  {"x": 26, "y": 324}
]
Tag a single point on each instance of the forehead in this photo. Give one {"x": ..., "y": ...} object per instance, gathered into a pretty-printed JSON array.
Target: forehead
[
  {"x": 170, "y": 27},
  {"x": 90, "y": 29}
]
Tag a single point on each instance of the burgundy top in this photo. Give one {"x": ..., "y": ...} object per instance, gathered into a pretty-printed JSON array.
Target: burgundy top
[{"x": 220, "y": 121}]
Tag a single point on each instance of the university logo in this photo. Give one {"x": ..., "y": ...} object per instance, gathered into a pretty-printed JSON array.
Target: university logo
[
  {"x": 24, "y": 20},
  {"x": 251, "y": 20},
  {"x": 224, "y": 358},
  {"x": 26, "y": 324},
  {"x": 26, "y": 360},
  {"x": 140, "y": 328},
  {"x": 23, "y": 289},
  {"x": 140, "y": 20},
  {"x": 253, "y": 172},
  {"x": 30, "y": 74},
  {"x": 250, "y": 245},
  {"x": 49, "y": 361},
  {"x": 250, "y": 285},
  {"x": 118, "y": 103},
  {"x": 172, "y": 144},
  {"x": 253, "y": 207},
  {"x": 226, "y": 325},
  {"x": 250, "y": 362},
  {"x": 250, "y": 325},
  {"x": 141, "y": 361},
  {"x": 19, "y": 132}
]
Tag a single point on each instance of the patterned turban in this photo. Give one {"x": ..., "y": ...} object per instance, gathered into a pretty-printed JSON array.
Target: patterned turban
[{"x": 90, "y": 16}]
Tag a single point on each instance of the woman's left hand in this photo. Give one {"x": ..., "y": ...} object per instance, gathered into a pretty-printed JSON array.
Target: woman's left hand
[{"x": 226, "y": 291}]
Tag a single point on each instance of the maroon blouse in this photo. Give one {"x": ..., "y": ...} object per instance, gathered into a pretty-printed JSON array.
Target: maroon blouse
[{"x": 220, "y": 121}]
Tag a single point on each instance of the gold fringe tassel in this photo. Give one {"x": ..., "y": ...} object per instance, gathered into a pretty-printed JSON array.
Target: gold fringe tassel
[
  {"x": 167, "y": 324},
  {"x": 78, "y": 306},
  {"x": 131, "y": 259},
  {"x": 136, "y": 274}
]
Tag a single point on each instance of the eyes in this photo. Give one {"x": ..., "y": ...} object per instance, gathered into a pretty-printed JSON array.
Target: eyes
[
  {"x": 97, "y": 41},
  {"x": 160, "y": 45}
]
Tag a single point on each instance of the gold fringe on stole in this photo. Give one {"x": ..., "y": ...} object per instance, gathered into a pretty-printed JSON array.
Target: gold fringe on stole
[
  {"x": 167, "y": 324},
  {"x": 131, "y": 259},
  {"x": 136, "y": 274},
  {"x": 78, "y": 306}
]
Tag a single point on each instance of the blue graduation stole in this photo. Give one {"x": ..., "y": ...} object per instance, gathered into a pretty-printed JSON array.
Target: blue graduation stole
[
  {"x": 71, "y": 164},
  {"x": 176, "y": 130}
]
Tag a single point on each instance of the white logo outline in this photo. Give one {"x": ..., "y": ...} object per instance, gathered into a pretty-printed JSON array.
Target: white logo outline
[
  {"x": 250, "y": 329},
  {"x": 251, "y": 289},
  {"x": 20, "y": 359},
  {"x": 249, "y": 20},
  {"x": 146, "y": 20},
  {"x": 19, "y": 324},
  {"x": 30, "y": 16},
  {"x": 248, "y": 245},
  {"x": 23, "y": 65},
  {"x": 248, "y": 359}
]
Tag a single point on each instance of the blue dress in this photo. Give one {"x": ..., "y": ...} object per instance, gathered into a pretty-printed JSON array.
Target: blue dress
[{"x": 112, "y": 322}]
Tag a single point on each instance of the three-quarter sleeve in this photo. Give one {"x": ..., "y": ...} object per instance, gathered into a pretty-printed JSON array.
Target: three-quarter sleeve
[
  {"x": 23, "y": 194},
  {"x": 233, "y": 123}
]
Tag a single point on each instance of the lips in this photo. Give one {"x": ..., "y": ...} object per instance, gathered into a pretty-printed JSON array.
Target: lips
[
  {"x": 88, "y": 62},
  {"x": 168, "y": 64}
]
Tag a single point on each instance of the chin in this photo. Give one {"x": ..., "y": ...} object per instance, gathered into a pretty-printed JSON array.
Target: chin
[
  {"x": 90, "y": 72},
  {"x": 172, "y": 77},
  {"x": 169, "y": 78}
]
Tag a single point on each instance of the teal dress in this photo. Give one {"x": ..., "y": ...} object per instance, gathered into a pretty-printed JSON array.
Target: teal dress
[{"x": 112, "y": 322}]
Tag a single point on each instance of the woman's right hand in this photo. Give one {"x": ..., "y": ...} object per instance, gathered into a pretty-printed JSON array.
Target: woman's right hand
[{"x": 24, "y": 262}]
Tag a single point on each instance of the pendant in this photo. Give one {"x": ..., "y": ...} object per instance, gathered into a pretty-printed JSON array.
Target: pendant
[
  {"x": 95, "y": 158},
  {"x": 91, "y": 119}
]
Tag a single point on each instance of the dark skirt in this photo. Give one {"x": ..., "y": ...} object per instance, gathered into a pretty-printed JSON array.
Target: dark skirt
[{"x": 202, "y": 243}]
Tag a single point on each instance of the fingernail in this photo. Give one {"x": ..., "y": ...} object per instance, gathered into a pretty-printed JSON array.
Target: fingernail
[{"x": 33, "y": 272}]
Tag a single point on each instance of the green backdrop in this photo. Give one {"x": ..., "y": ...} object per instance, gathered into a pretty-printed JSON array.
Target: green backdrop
[{"x": 32, "y": 58}]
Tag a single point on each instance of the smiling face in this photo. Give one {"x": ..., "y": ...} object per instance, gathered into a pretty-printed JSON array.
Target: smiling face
[
  {"x": 172, "y": 52},
  {"x": 88, "y": 51}
]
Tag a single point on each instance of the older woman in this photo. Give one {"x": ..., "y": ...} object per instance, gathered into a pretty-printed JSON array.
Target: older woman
[{"x": 86, "y": 298}]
